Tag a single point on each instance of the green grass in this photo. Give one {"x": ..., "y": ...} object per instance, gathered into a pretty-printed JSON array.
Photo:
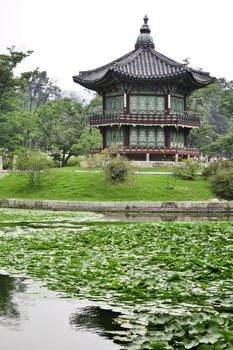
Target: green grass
[
  {"x": 76, "y": 168},
  {"x": 77, "y": 186}
]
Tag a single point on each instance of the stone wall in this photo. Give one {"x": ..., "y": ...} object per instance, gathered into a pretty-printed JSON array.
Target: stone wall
[{"x": 212, "y": 206}]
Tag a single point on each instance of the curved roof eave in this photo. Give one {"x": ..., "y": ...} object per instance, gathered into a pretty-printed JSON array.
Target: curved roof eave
[{"x": 143, "y": 65}]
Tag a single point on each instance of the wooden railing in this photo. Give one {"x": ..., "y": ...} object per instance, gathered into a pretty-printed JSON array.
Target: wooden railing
[{"x": 190, "y": 119}]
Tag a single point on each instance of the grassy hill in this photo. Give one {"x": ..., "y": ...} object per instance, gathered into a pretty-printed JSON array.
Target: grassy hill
[{"x": 90, "y": 186}]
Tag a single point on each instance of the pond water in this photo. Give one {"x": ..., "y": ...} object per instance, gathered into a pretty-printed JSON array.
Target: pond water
[
  {"x": 31, "y": 317},
  {"x": 178, "y": 217}
]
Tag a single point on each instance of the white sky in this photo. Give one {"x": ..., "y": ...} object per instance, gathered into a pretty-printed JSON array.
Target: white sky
[{"x": 68, "y": 36}]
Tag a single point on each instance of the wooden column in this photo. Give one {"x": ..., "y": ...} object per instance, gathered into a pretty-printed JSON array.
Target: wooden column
[
  {"x": 103, "y": 133},
  {"x": 126, "y": 135},
  {"x": 168, "y": 104},
  {"x": 126, "y": 103},
  {"x": 167, "y": 136},
  {"x": 186, "y": 134},
  {"x": 185, "y": 103},
  {"x": 103, "y": 103}
]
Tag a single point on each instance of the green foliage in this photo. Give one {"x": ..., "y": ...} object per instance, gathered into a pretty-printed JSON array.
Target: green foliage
[
  {"x": 8, "y": 83},
  {"x": 73, "y": 161},
  {"x": 117, "y": 169},
  {"x": 187, "y": 169},
  {"x": 226, "y": 102},
  {"x": 220, "y": 174},
  {"x": 224, "y": 145},
  {"x": 61, "y": 124},
  {"x": 203, "y": 138},
  {"x": 95, "y": 104},
  {"x": 115, "y": 165},
  {"x": 171, "y": 282},
  {"x": 36, "y": 88},
  {"x": 214, "y": 167},
  {"x": 90, "y": 138},
  {"x": 33, "y": 165},
  {"x": 12, "y": 120},
  {"x": 222, "y": 184}
]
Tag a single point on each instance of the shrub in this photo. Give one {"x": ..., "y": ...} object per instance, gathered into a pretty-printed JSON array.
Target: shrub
[
  {"x": 117, "y": 169},
  {"x": 73, "y": 161},
  {"x": 33, "y": 165},
  {"x": 186, "y": 170},
  {"x": 101, "y": 159},
  {"x": 214, "y": 167},
  {"x": 222, "y": 184}
]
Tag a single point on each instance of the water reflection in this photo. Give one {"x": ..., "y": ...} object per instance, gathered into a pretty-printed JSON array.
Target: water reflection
[
  {"x": 178, "y": 217},
  {"x": 8, "y": 288},
  {"x": 45, "y": 321},
  {"x": 96, "y": 319}
]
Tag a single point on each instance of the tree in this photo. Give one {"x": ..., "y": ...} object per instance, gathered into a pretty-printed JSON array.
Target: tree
[
  {"x": 226, "y": 101},
  {"x": 10, "y": 111},
  {"x": 203, "y": 137},
  {"x": 95, "y": 105},
  {"x": 90, "y": 138},
  {"x": 36, "y": 89},
  {"x": 8, "y": 82},
  {"x": 61, "y": 124}
]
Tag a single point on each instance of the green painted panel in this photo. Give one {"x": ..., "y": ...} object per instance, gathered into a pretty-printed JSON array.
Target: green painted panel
[
  {"x": 114, "y": 136},
  {"x": 177, "y": 138},
  {"x": 114, "y": 104},
  {"x": 177, "y": 105},
  {"x": 142, "y": 135},
  {"x": 147, "y": 136},
  {"x": 146, "y": 104},
  {"x": 160, "y": 137},
  {"x": 133, "y": 136},
  {"x": 151, "y": 135},
  {"x": 134, "y": 104}
]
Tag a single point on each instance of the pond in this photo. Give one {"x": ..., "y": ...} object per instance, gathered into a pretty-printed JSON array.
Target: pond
[
  {"x": 31, "y": 317},
  {"x": 103, "y": 280}
]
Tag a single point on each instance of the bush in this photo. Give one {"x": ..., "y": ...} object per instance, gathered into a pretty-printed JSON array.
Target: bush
[
  {"x": 222, "y": 184},
  {"x": 73, "y": 161},
  {"x": 33, "y": 165},
  {"x": 101, "y": 159},
  {"x": 214, "y": 167},
  {"x": 186, "y": 170},
  {"x": 117, "y": 169}
]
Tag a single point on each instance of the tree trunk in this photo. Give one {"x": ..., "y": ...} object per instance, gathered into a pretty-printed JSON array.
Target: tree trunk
[{"x": 65, "y": 158}]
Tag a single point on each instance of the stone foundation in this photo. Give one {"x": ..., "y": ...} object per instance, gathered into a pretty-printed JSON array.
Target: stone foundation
[{"x": 212, "y": 206}]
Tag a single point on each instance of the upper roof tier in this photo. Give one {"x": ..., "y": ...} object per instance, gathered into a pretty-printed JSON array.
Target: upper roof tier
[{"x": 144, "y": 64}]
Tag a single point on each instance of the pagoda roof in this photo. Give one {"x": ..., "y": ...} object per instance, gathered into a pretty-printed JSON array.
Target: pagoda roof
[{"x": 144, "y": 63}]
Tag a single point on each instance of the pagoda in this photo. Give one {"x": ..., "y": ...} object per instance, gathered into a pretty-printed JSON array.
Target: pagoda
[{"x": 144, "y": 95}]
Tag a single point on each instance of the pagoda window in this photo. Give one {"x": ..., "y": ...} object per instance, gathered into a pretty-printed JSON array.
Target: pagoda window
[
  {"x": 177, "y": 105},
  {"x": 149, "y": 136},
  {"x": 114, "y": 104},
  {"x": 177, "y": 138},
  {"x": 146, "y": 104},
  {"x": 114, "y": 136}
]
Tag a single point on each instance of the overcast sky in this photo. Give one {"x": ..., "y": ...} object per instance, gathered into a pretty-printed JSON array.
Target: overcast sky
[{"x": 68, "y": 36}]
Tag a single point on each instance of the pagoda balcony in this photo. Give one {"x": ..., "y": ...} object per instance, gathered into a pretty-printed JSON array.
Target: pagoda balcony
[
  {"x": 187, "y": 119},
  {"x": 180, "y": 151}
]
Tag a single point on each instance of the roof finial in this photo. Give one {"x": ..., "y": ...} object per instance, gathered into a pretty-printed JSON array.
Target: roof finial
[
  {"x": 144, "y": 39},
  {"x": 145, "y": 19}
]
